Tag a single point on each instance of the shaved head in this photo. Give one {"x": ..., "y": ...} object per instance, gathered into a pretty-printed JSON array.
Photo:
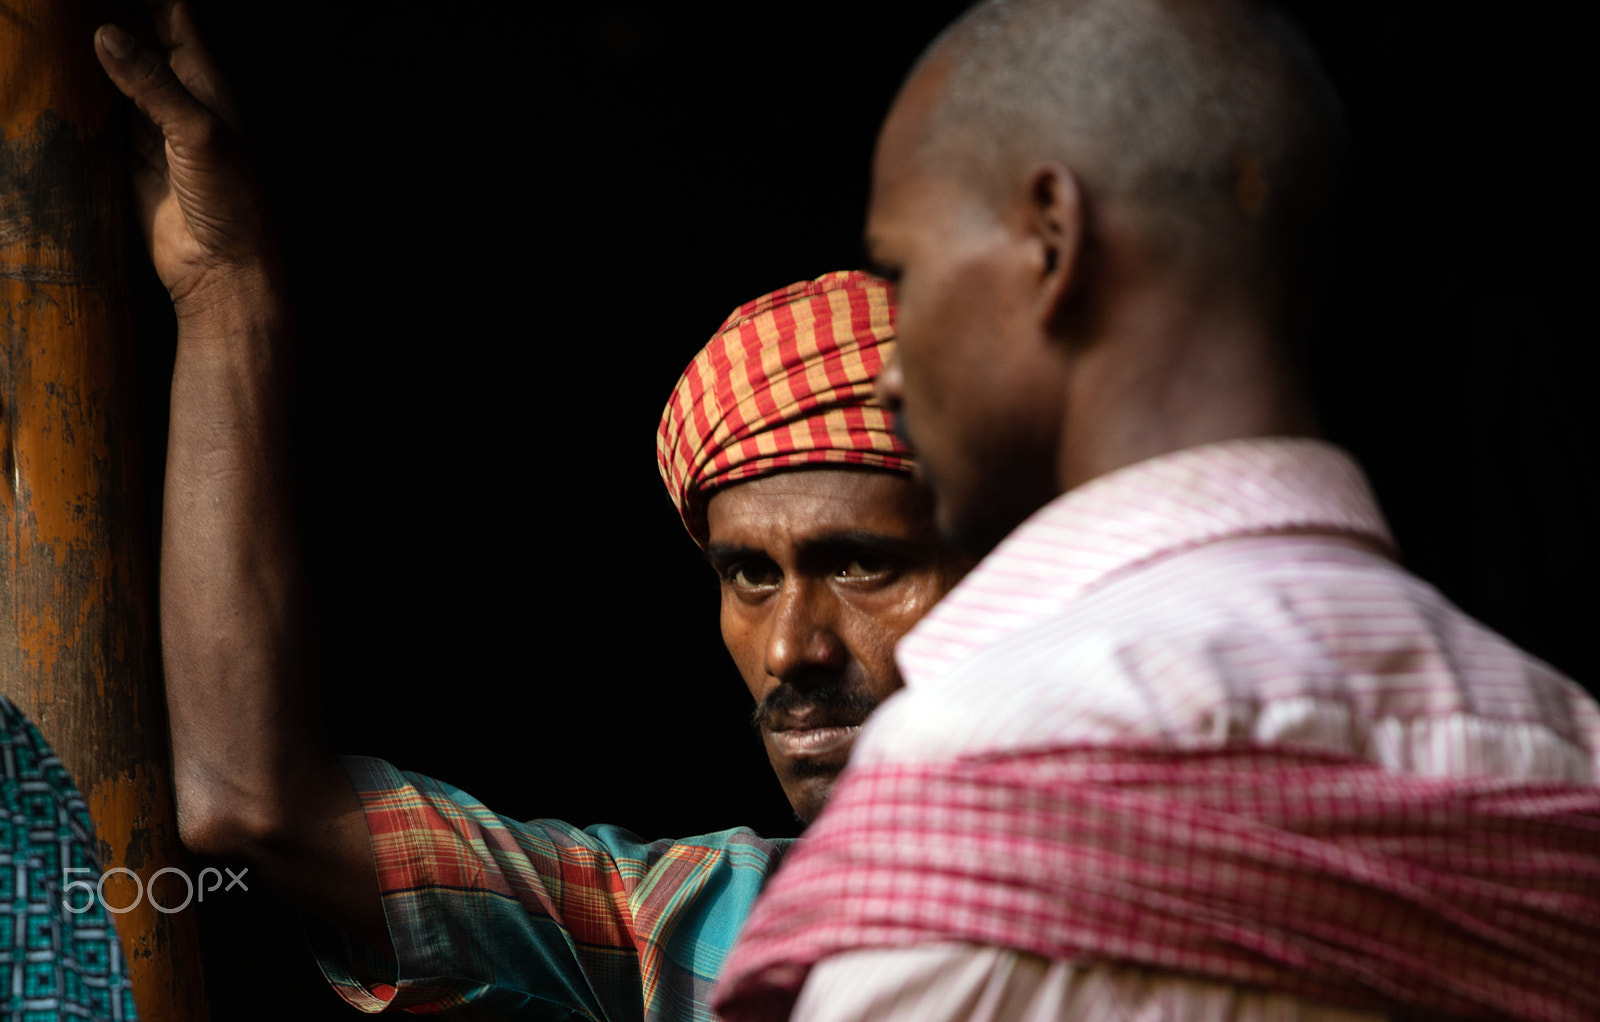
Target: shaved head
[
  {"x": 1208, "y": 122},
  {"x": 1102, "y": 218}
]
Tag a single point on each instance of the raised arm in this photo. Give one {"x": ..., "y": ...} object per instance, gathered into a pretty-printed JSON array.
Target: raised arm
[{"x": 255, "y": 779}]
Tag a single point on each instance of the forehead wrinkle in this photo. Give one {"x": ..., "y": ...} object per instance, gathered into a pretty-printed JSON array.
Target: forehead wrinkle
[
  {"x": 800, "y": 529},
  {"x": 790, "y": 505},
  {"x": 756, "y": 527},
  {"x": 770, "y": 524}
]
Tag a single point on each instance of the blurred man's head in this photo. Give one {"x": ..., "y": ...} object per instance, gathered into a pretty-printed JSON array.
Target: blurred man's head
[
  {"x": 794, "y": 483},
  {"x": 1098, "y": 214}
]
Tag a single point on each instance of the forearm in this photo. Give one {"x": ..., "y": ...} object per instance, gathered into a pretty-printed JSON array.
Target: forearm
[
  {"x": 255, "y": 779},
  {"x": 245, "y": 726}
]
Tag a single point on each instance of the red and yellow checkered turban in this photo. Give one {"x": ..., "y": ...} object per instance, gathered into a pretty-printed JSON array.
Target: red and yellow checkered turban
[{"x": 785, "y": 383}]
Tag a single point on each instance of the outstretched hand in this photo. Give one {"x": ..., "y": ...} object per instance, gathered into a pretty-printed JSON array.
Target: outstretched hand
[{"x": 199, "y": 203}]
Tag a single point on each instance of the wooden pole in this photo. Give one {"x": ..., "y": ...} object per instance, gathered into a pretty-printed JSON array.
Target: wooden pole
[{"x": 78, "y": 640}]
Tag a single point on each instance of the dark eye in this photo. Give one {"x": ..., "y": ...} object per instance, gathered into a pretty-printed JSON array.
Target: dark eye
[
  {"x": 865, "y": 566},
  {"x": 751, "y": 575}
]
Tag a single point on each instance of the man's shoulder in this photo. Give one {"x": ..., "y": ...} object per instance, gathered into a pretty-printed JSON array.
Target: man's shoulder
[{"x": 1311, "y": 640}]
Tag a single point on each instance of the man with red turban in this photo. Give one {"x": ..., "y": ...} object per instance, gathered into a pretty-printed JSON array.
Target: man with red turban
[
  {"x": 795, "y": 485},
  {"x": 799, "y": 491},
  {"x": 784, "y": 471}
]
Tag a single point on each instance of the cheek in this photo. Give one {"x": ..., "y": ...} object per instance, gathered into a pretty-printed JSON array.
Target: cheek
[
  {"x": 945, "y": 352},
  {"x": 741, "y": 633},
  {"x": 881, "y": 626},
  {"x": 926, "y": 393},
  {"x": 924, "y": 315},
  {"x": 922, "y": 332}
]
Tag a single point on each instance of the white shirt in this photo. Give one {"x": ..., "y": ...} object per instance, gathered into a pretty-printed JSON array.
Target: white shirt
[{"x": 1233, "y": 591}]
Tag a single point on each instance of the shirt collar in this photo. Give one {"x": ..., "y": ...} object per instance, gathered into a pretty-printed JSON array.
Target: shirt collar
[{"x": 1134, "y": 515}]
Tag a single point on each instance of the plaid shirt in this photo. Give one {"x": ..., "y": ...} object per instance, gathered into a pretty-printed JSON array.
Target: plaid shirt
[{"x": 495, "y": 919}]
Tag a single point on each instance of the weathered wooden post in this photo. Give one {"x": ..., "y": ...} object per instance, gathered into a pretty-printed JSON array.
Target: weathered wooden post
[{"x": 78, "y": 640}]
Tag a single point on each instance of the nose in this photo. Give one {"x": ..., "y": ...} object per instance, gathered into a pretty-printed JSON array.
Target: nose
[
  {"x": 803, "y": 639},
  {"x": 887, "y": 388}
]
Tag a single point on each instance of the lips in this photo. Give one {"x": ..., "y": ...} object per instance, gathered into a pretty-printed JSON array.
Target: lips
[
  {"x": 828, "y": 741},
  {"x": 813, "y": 729},
  {"x": 814, "y": 732}
]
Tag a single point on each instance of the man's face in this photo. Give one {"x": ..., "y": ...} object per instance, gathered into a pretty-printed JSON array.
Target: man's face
[
  {"x": 978, "y": 396},
  {"x": 823, "y": 570}
]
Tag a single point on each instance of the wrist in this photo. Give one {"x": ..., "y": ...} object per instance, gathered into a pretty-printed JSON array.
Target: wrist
[{"x": 240, "y": 299}]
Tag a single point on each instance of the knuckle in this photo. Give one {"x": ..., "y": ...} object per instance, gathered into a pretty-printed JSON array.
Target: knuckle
[{"x": 150, "y": 73}]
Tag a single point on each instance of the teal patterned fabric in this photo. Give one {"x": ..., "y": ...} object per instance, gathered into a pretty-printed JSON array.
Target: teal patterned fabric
[
  {"x": 55, "y": 962},
  {"x": 495, "y": 919}
]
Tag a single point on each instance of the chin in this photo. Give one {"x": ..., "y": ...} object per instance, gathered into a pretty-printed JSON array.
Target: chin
[{"x": 807, "y": 796}]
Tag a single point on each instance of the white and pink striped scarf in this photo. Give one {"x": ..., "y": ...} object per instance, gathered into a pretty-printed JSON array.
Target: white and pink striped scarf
[{"x": 1304, "y": 873}]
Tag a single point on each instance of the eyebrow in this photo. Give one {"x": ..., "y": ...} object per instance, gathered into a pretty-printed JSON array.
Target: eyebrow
[
  {"x": 826, "y": 546},
  {"x": 722, "y": 553}
]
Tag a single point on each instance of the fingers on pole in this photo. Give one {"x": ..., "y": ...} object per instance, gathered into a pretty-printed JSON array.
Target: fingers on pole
[
  {"x": 192, "y": 62},
  {"x": 144, "y": 77}
]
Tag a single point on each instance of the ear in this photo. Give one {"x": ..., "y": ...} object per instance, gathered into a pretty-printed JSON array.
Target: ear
[{"x": 1055, "y": 209}]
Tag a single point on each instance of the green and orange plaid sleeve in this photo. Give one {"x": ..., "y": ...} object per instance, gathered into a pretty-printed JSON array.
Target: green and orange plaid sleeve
[{"x": 495, "y": 919}]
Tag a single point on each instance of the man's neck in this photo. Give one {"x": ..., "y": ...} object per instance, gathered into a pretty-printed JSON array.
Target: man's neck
[{"x": 1162, "y": 375}]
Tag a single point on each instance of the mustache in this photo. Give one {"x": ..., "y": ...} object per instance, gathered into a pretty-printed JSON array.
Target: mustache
[{"x": 787, "y": 698}]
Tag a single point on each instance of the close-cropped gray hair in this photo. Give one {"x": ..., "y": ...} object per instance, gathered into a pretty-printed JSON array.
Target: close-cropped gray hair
[{"x": 1210, "y": 119}]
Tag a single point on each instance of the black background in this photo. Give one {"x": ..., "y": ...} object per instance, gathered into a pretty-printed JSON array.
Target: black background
[{"x": 511, "y": 228}]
